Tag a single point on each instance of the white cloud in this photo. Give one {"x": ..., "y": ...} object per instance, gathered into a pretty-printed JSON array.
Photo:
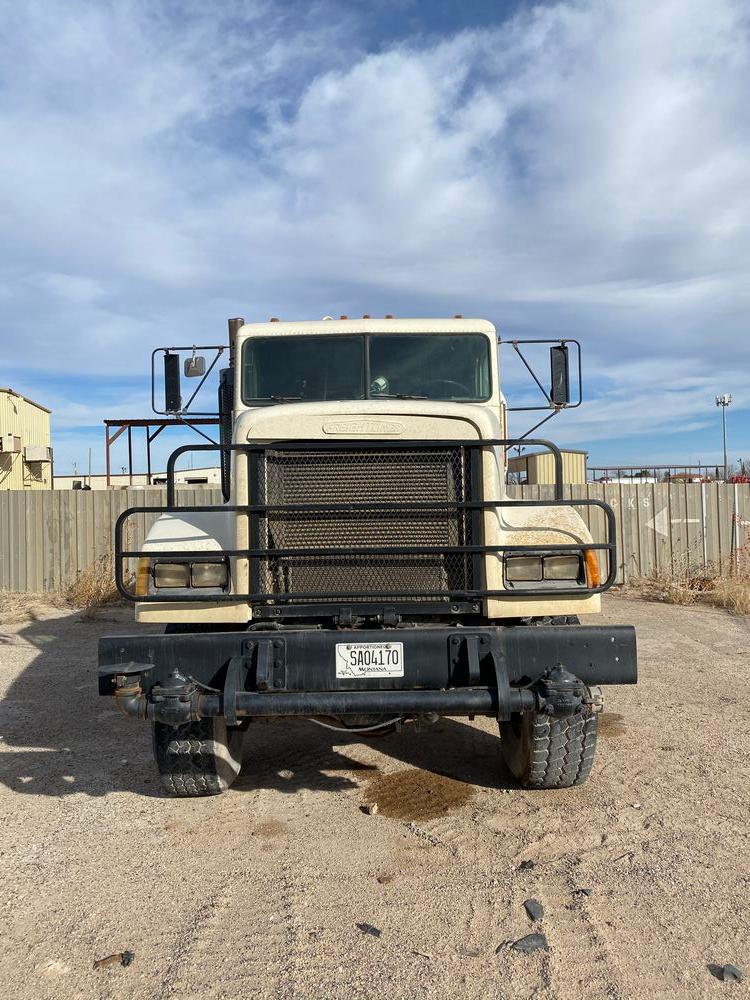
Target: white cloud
[{"x": 581, "y": 168}]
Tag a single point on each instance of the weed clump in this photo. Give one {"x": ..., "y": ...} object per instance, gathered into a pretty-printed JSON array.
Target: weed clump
[
  {"x": 93, "y": 588},
  {"x": 685, "y": 584}
]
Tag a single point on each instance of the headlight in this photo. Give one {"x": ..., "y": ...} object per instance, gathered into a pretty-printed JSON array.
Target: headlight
[
  {"x": 562, "y": 567},
  {"x": 208, "y": 574},
  {"x": 535, "y": 569},
  {"x": 526, "y": 569},
  {"x": 171, "y": 574},
  {"x": 185, "y": 574}
]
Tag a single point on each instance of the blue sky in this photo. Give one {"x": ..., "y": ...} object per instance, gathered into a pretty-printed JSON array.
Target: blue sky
[{"x": 573, "y": 169}]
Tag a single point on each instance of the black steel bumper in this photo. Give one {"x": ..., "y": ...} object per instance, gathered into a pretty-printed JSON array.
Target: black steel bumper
[{"x": 490, "y": 670}]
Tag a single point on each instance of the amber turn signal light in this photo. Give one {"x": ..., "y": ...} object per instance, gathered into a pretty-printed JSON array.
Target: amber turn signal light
[{"x": 593, "y": 574}]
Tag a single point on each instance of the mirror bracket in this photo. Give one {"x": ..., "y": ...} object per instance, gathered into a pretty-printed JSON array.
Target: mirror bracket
[
  {"x": 195, "y": 365},
  {"x": 173, "y": 403},
  {"x": 558, "y": 396}
]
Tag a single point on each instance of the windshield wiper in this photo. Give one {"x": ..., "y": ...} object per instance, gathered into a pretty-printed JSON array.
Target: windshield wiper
[
  {"x": 396, "y": 395},
  {"x": 283, "y": 399}
]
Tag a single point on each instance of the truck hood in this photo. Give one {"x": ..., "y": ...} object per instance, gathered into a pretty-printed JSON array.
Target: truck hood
[{"x": 368, "y": 419}]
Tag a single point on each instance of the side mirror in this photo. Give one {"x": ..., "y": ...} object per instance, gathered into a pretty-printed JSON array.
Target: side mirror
[
  {"x": 172, "y": 394},
  {"x": 195, "y": 367},
  {"x": 560, "y": 375}
]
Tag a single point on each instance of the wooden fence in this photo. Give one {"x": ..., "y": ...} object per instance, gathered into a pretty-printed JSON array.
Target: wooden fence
[
  {"x": 48, "y": 536},
  {"x": 666, "y": 527}
]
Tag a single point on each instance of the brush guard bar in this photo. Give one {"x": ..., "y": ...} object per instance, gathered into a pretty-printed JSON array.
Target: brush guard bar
[{"x": 468, "y": 598}]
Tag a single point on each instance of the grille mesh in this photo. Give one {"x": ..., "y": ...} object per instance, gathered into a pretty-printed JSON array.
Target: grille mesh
[{"x": 364, "y": 476}]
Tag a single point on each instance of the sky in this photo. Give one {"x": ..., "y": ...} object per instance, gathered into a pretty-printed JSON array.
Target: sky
[{"x": 572, "y": 169}]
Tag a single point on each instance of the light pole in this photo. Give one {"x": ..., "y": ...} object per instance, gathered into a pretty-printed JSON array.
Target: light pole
[{"x": 724, "y": 401}]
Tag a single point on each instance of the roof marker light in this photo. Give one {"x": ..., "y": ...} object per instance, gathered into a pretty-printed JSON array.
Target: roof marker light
[{"x": 274, "y": 319}]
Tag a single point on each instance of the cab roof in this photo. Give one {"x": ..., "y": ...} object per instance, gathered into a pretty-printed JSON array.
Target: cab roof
[{"x": 374, "y": 325}]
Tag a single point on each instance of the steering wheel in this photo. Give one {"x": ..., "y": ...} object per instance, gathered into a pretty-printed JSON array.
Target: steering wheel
[{"x": 462, "y": 389}]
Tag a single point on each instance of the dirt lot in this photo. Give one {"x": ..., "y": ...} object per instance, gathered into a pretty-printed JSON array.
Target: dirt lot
[{"x": 258, "y": 893}]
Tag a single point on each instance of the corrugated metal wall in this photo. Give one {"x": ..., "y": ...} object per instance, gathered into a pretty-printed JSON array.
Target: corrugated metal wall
[
  {"x": 539, "y": 467},
  {"x": 542, "y": 467},
  {"x": 47, "y": 537},
  {"x": 23, "y": 419}
]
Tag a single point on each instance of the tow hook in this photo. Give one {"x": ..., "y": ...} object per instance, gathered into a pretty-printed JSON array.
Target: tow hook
[
  {"x": 595, "y": 701},
  {"x": 562, "y": 693}
]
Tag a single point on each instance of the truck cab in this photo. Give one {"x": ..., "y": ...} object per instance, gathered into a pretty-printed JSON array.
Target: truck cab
[{"x": 367, "y": 567}]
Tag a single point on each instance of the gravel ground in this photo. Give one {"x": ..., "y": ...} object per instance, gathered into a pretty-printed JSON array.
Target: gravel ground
[{"x": 258, "y": 893}]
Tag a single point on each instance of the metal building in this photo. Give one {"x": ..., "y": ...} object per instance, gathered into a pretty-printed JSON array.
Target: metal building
[
  {"x": 538, "y": 467},
  {"x": 25, "y": 448},
  {"x": 120, "y": 481}
]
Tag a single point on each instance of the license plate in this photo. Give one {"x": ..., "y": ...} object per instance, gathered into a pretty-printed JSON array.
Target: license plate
[{"x": 369, "y": 659}]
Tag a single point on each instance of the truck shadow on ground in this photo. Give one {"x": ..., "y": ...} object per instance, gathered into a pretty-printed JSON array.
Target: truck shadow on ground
[
  {"x": 60, "y": 738},
  {"x": 292, "y": 755}
]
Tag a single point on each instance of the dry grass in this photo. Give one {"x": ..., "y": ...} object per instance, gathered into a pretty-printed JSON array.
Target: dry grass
[
  {"x": 688, "y": 585},
  {"x": 732, "y": 593},
  {"x": 659, "y": 586},
  {"x": 16, "y": 608},
  {"x": 93, "y": 588}
]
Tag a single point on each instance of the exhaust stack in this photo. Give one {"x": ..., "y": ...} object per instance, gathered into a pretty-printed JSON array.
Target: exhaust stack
[{"x": 234, "y": 326}]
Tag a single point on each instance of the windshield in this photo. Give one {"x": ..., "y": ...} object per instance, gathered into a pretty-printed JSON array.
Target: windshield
[
  {"x": 385, "y": 366},
  {"x": 289, "y": 368}
]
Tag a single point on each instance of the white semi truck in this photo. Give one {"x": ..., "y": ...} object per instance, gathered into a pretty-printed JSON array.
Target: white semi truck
[{"x": 367, "y": 567}]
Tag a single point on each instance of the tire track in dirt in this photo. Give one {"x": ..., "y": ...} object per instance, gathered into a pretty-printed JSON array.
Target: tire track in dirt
[
  {"x": 580, "y": 962},
  {"x": 185, "y": 942},
  {"x": 250, "y": 917}
]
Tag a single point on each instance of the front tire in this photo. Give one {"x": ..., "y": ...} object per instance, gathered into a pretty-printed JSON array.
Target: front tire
[
  {"x": 197, "y": 758},
  {"x": 547, "y": 751}
]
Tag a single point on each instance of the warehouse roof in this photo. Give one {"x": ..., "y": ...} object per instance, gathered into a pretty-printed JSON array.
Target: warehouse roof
[
  {"x": 33, "y": 402},
  {"x": 565, "y": 451}
]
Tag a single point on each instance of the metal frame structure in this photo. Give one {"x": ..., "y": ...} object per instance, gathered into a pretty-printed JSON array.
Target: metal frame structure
[
  {"x": 157, "y": 422},
  {"x": 257, "y": 511}
]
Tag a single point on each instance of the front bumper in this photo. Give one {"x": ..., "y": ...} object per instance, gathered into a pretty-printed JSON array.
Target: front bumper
[{"x": 488, "y": 670}]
